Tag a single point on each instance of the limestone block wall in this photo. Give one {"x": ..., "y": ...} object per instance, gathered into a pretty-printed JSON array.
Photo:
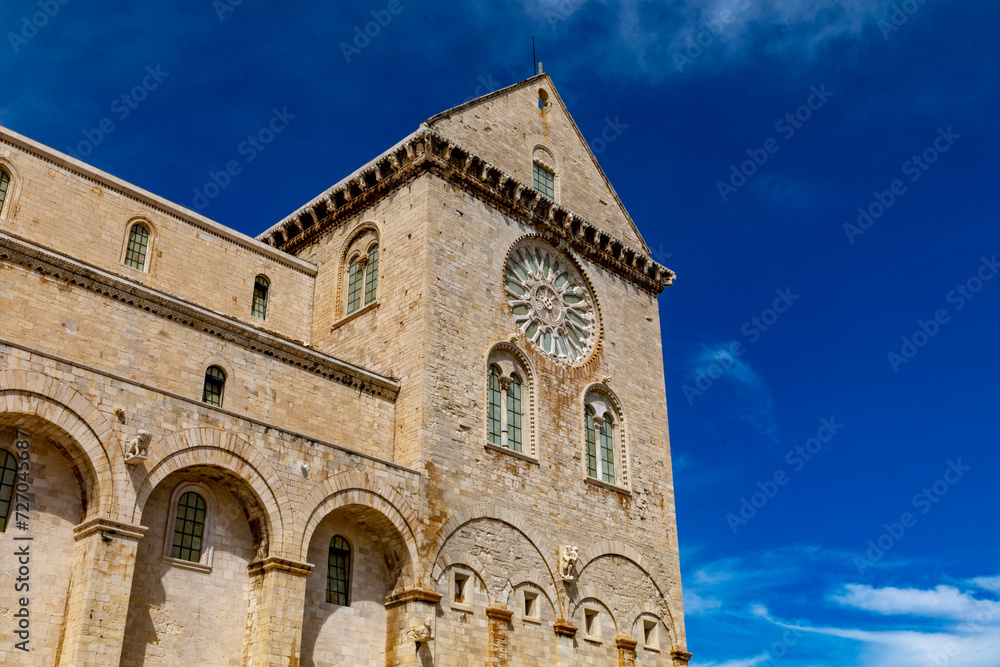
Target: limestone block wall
[
  {"x": 171, "y": 604},
  {"x": 83, "y": 212},
  {"x": 54, "y": 510},
  {"x": 353, "y": 635},
  {"x": 92, "y": 329},
  {"x": 505, "y": 129},
  {"x": 471, "y": 241}
]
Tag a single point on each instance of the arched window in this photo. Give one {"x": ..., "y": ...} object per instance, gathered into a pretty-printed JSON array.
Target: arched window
[
  {"x": 338, "y": 574},
  {"x": 8, "y": 479},
  {"x": 4, "y": 186},
  {"x": 354, "y": 279},
  {"x": 371, "y": 275},
  {"x": 189, "y": 527},
  {"x": 544, "y": 181},
  {"x": 138, "y": 244},
  {"x": 260, "y": 289},
  {"x": 493, "y": 411},
  {"x": 514, "y": 413},
  {"x": 215, "y": 386},
  {"x": 604, "y": 436}
]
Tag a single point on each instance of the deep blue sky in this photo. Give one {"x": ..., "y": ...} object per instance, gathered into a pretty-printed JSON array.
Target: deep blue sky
[{"x": 786, "y": 587}]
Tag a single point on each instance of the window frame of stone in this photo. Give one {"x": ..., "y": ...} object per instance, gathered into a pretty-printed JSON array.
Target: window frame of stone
[
  {"x": 222, "y": 390},
  {"x": 650, "y": 631},
  {"x": 509, "y": 365},
  {"x": 536, "y": 606},
  {"x": 602, "y": 407},
  {"x": 468, "y": 580},
  {"x": 5, "y": 187},
  {"x": 127, "y": 244},
  {"x": 8, "y": 200},
  {"x": 8, "y": 464},
  {"x": 349, "y": 570},
  {"x": 207, "y": 555},
  {"x": 365, "y": 284},
  {"x": 543, "y": 158},
  {"x": 260, "y": 313},
  {"x": 592, "y": 631}
]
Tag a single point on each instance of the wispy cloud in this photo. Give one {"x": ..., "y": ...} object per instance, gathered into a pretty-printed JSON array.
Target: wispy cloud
[
  {"x": 708, "y": 35},
  {"x": 746, "y": 388},
  {"x": 945, "y": 602}
]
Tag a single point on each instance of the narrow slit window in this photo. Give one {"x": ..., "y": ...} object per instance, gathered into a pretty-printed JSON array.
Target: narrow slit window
[
  {"x": 649, "y": 633},
  {"x": 493, "y": 409},
  {"x": 591, "y": 444},
  {"x": 215, "y": 386},
  {"x": 4, "y": 186},
  {"x": 261, "y": 287},
  {"x": 338, "y": 576},
  {"x": 138, "y": 244},
  {"x": 591, "y": 624},
  {"x": 544, "y": 181},
  {"x": 189, "y": 527},
  {"x": 530, "y": 604},
  {"x": 371, "y": 275},
  {"x": 8, "y": 480},
  {"x": 461, "y": 586},
  {"x": 514, "y": 413},
  {"x": 355, "y": 276},
  {"x": 608, "y": 448}
]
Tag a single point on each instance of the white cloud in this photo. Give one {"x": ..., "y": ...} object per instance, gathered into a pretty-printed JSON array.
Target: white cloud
[
  {"x": 987, "y": 583},
  {"x": 747, "y": 662},
  {"x": 695, "y": 604},
  {"x": 944, "y": 602}
]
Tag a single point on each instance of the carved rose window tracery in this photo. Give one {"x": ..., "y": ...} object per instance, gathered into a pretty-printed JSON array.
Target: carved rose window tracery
[{"x": 551, "y": 303}]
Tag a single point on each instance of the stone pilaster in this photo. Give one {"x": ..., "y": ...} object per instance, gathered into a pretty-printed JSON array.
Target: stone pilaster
[
  {"x": 407, "y": 613},
  {"x": 626, "y": 651},
  {"x": 103, "y": 565},
  {"x": 565, "y": 637},
  {"x": 277, "y": 599},
  {"x": 499, "y": 619}
]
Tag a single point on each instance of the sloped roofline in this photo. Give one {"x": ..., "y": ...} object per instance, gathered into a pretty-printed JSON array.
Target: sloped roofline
[
  {"x": 153, "y": 201},
  {"x": 430, "y": 122}
]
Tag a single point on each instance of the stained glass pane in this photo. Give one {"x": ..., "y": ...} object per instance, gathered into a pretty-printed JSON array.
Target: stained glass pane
[
  {"x": 338, "y": 571},
  {"x": 608, "y": 449},
  {"x": 514, "y": 414},
  {"x": 354, "y": 279},
  {"x": 591, "y": 444},
  {"x": 544, "y": 181},
  {"x": 138, "y": 243},
  {"x": 371, "y": 275},
  {"x": 493, "y": 410},
  {"x": 215, "y": 384},
  {"x": 260, "y": 290}
]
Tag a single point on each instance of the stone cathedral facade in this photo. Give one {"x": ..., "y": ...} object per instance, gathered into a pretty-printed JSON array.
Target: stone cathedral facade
[{"x": 420, "y": 421}]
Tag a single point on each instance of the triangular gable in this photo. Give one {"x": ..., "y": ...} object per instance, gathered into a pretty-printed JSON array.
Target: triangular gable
[{"x": 509, "y": 130}]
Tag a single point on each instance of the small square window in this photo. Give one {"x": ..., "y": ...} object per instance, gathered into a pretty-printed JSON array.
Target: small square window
[
  {"x": 461, "y": 589},
  {"x": 650, "y": 639},
  {"x": 531, "y": 605},
  {"x": 592, "y": 624},
  {"x": 544, "y": 181}
]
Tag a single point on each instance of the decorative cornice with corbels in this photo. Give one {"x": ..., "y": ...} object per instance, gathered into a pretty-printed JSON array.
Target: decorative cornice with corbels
[
  {"x": 427, "y": 150},
  {"x": 36, "y": 258}
]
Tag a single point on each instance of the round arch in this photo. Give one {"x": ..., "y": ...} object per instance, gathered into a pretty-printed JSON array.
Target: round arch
[
  {"x": 51, "y": 407},
  {"x": 206, "y": 447}
]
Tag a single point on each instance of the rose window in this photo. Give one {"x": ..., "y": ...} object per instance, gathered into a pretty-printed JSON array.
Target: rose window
[{"x": 552, "y": 305}]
